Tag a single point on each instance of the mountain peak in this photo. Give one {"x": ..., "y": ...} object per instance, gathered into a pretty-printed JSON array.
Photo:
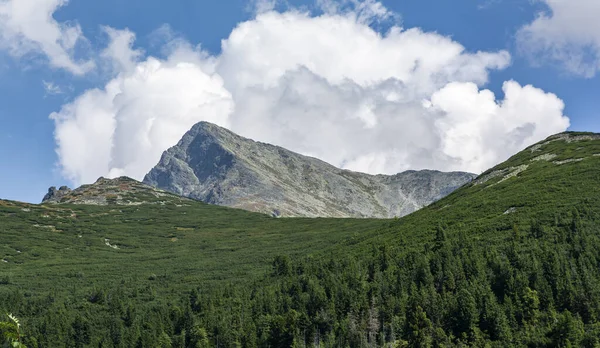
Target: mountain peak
[
  {"x": 211, "y": 130},
  {"x": 217, "y": 166}
]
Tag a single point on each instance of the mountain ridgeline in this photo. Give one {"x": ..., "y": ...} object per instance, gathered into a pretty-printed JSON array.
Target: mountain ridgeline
[{"x": 214, "y": 165}]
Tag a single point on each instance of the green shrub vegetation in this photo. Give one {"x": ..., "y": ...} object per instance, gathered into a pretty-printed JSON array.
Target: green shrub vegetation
[{"x": 510, "y": 260}]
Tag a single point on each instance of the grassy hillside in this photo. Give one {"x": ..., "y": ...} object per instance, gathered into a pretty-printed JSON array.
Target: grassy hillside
[
  {"x": 512, "y": 259},
  {"x": 173, "y": 244}
]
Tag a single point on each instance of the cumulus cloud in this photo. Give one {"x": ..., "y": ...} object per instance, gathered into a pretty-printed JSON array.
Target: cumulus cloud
[
  {"x": 324, "y": 85},
  {"x": 568, "y": 32},
  {"x": 339, "y": 47},
  {"x": 27, "y": 27},
  {"x": 478, "y": 131},
  {"x": 382, "y": 128}
]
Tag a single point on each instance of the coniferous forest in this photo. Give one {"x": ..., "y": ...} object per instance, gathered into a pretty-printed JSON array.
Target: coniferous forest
[{"x": 539, "y": 288}]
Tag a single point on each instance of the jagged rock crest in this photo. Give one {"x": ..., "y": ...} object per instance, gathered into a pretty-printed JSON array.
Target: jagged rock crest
[{"x": 215, "y": 165}]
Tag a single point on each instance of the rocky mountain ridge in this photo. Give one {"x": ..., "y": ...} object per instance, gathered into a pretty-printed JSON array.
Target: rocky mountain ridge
[
  {"x": 217, "y": 166},
  {"x": 120, "y": 191}
]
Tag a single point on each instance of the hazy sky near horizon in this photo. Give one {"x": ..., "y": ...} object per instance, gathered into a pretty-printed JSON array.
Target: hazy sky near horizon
[{"x": 102, "y": 88}]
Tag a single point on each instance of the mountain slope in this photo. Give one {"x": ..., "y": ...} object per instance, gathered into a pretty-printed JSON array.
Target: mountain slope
[
  {"x": 214, "y": 165},
  {"x": 509, "y": 260},
  {"x": 122, "y": 229}
]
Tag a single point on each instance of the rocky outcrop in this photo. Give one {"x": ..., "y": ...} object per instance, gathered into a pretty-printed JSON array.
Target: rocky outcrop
[
  {"x": 120, "y": 191},
  {"x": 54, "y": 195},
  {"x": 214, "y": 165}
]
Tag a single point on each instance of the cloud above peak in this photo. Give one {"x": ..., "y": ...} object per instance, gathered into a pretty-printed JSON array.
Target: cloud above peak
[
  {"x": 327, "y": 85},
  {"x": 28, "y": 27},
  {"x": 123, "y": 128},
  {"x": 339, "y": 47}
]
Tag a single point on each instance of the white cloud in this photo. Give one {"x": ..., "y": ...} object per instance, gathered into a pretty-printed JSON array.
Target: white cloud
[
  {"x": 568, "y": 33},
  {"x": 328, "y": 86},
  {"x": 382, "y": 128},
  {"x": 262, "y": 6},
  {"x": 27, "y": 26},
  {"x": 51, "y": 88},
  {"x": 362, "y": 11},
  {"x": 119, "y": 50},
  {"x": 479, "y": 132},
  {"x": 339, "y": 47}
]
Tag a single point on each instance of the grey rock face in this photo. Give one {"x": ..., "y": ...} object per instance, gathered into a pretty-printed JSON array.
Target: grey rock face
[
  {"x": 54, "y": 195},
  {"x": 214, "y": 165}
]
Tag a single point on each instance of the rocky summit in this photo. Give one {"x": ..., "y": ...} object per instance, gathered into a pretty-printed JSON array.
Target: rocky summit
[
  {"x": 217, "y": 166},
  {"x": 55, "y": 195},
  {"x": 120, "y": 191}
]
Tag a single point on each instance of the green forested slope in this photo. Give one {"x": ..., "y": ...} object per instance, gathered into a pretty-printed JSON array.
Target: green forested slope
[{"x": 513, "y": 259}]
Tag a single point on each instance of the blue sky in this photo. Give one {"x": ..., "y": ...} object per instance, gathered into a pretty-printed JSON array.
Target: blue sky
[{"x": 31, "y": 87}]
